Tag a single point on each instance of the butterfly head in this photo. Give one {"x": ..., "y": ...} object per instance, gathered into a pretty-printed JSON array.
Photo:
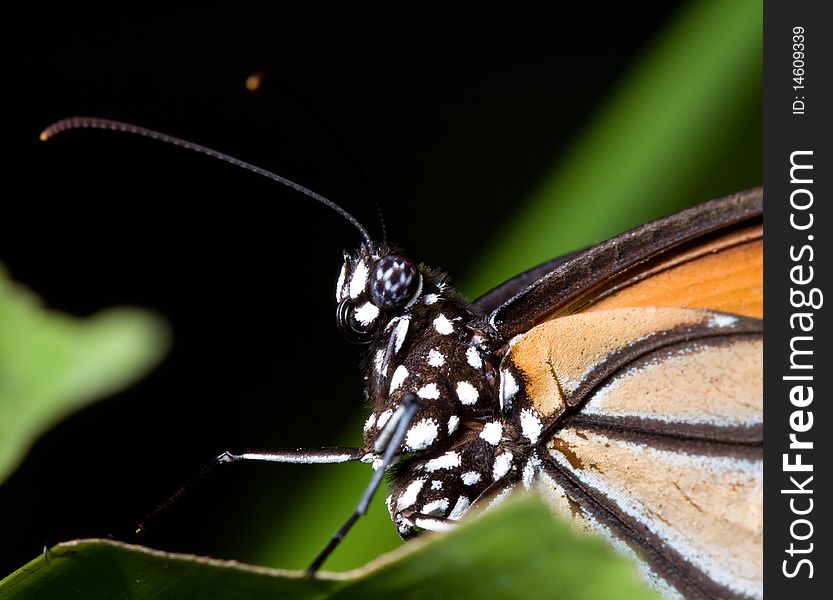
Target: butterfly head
[{"x": 374, "y": 287}]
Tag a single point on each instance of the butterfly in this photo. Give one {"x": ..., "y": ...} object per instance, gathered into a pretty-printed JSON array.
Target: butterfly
[{"x": 623, "y": 383}]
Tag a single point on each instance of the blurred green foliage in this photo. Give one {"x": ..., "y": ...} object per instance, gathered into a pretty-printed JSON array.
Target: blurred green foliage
[{"x": 53, "y": 364}]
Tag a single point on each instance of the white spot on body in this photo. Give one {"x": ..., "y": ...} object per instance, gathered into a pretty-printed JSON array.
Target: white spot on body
[
  {"x": 400, "y": 333},
  {"x": 530, "y": 469},
  {"x": 460, "y": 508},
  {"x": 378, "y": 360},
  {"x": 429, "y": 524},
  {"x": 436, "y": 507},
  {"x": 358, "y": 281},
  {"x": 435, "y": 358},
  {"x": 403, "y": 525},
  {"x": 431, "y": 298},
  {"x": 371, "y": 421},
  {"x": 503, "y": 463},
  {"x": 492, "y": 432},
  {"x": 449, "y": 460},
  {"x": 340, "y": 283},
  {"x": 421, "y": 435},
  {"x": 722, "y": 321},
  {"x": 383, "y": 418},
  {"x": 410, "y": 495},
  {"x": 531, "y": 425},
  {"x": 453, "y": 424},
  {"x": 429, "y": 392},
  {"x": 376, "y": 464},
  {"x": 466, "y": 392},
  {"x": 367, "y": 313},
  {"x": 470, "y": 477},
  {"x": 443, "y": 325},
  {"x": 504, "y": 493},
  {"x": 399, "y": 375},
  {"x": 508, "y": 389},
  {"x": 473, "y": 357},
  {"x": 436, "y": 484}
]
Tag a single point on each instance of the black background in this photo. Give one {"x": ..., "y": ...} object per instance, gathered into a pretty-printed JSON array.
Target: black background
[{"x": 444, "y": 120}]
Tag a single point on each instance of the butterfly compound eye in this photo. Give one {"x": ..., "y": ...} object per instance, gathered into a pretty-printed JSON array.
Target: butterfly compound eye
[{"x": 394, "y": 281}]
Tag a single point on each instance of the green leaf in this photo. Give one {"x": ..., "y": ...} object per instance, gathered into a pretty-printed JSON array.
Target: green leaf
[
  {"x": 52, "y": 364},
  {"x": 515, "y": 551}
]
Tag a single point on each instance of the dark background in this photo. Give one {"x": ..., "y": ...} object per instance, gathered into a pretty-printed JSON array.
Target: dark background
[{"x": 445, "y": 121}]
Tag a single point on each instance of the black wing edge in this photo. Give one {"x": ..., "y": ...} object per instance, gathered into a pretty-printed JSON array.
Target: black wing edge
[
  {"x": 509, "y": 288},
  {"x": 530, "y": 297}
]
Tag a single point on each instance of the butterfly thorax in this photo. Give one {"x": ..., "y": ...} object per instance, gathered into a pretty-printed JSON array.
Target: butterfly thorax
[{"x": 443, "y": 353}]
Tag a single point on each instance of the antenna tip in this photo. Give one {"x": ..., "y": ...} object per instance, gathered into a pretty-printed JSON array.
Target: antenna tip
[{"x": 44, "y": 135}]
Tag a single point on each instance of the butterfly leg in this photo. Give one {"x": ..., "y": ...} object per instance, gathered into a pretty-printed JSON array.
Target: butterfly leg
[
  {"x": 297, "y": 456},
  {"x": 391, "y": 437}
]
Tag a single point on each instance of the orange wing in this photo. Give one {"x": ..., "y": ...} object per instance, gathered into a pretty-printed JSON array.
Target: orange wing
[
  {"x": 725, "y": 274},
  {"x": 643, "y": 358}
]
